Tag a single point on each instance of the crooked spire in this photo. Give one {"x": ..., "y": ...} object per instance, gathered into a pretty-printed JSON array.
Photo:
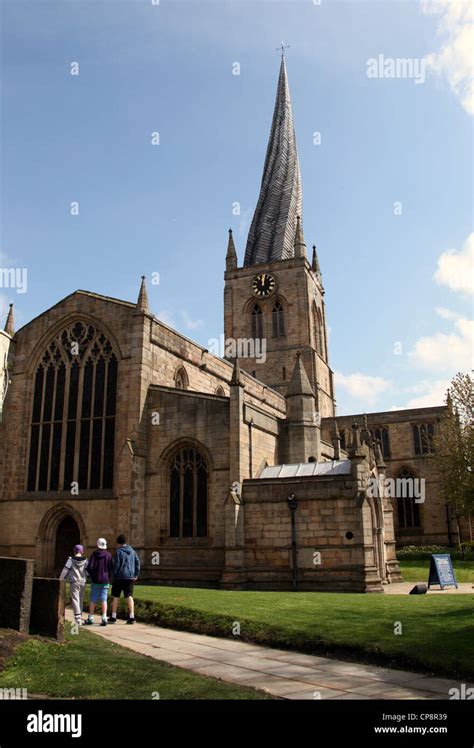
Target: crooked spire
[{"x": 272, "y": 233}]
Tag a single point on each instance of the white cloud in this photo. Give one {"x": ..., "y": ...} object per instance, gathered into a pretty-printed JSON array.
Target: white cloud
[
  {"x": 244, "y": 223},
  {"x": 167, "y": 317},
  {"x": 454, "y": 59},
  {"x": 456, "y": 269},
  {"x": 446, "y": 352},
  {"x": 189, "y": 322},
  {"x": 446, "y": 313},
  {"x": 362, "y": 386},
  {"x": 431, "y": 393}
]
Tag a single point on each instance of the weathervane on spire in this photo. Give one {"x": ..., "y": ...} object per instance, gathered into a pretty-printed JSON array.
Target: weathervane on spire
[{"x": 283, "y": 46}]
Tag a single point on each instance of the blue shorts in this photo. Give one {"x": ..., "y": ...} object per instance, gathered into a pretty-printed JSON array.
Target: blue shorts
[{"x": 99, "y": 592}]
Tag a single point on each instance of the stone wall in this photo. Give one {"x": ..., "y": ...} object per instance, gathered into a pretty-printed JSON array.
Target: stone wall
[
  {"x": 16, "y": 584},
  {"x": 47, "y": 608},
  {"x": 327, "y": 509}
]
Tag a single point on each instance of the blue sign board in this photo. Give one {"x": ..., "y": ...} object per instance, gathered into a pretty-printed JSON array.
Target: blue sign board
[{"x": 441, "y": 571}]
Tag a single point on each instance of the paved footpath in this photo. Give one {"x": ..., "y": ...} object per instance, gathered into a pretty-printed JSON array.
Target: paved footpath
[{"x": 284, "y": 674}]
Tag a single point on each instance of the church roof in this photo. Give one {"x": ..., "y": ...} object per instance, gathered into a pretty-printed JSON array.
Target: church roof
[
  {"x": 307, "y": 469},
  {"x": 272, "y": 233}
]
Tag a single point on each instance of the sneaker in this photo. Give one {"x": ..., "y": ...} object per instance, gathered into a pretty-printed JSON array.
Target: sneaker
[
  {"x": 88, "y": 622},
  {"x": 103, "y": 622},
  {"x": 112, "y": 620},
  {"x": 130, "y": 620}
]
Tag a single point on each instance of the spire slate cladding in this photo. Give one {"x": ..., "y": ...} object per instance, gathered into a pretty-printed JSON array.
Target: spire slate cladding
[{"x": 272, "y": 233}]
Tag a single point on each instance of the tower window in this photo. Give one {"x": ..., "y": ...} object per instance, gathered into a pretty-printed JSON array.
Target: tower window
[
  {"x": 188, "y": 494},
  {"x": 278, "y": 321},
  {"x": 257, "y": 322},
  {"x": 408, "y": 509},
  {"x": 423, "y": 438},
  {"x": 318, "y": 331},
  {"x": 283, "y": 373},
  {"x": 73, "y": 415}
]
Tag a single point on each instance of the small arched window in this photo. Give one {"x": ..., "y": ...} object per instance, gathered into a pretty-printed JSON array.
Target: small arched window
[
  {"x": 220, "y": 391},
  {"x": 278, "y": 321},
  {"x": 181, "y": 379},
  {"x": 188, "y": 494},
  {"x": 257, "y": 322},
  {"x": 408, "y": 509}
]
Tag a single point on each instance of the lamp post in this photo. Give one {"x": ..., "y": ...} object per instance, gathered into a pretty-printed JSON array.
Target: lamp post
[{"x": 293, "y": 504}]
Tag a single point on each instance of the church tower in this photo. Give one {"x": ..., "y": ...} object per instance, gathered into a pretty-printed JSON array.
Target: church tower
[{"x": 274, "y": 305}]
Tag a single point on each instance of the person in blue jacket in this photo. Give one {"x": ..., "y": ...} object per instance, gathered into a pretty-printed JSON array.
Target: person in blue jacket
[{"x": 126, "y": 571}]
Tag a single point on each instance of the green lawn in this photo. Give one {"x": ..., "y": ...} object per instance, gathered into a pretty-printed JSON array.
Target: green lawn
[
  {"x": 437, "y": 632},
  {"x": 89, "y": 667},
  {"x": 418, "y": 571}
]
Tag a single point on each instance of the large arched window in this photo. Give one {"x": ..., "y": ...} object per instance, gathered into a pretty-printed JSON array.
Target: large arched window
[
  {"x": 73, "y": 418},
  {"x": 408, "y": 509},
  {"x": 188, "y": 494},
  {"x": 278, "y": 321},
  {"x": 257, "y": 322}
]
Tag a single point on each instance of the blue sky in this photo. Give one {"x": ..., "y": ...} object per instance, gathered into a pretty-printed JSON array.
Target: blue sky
[{"x": 397, "y": 287}]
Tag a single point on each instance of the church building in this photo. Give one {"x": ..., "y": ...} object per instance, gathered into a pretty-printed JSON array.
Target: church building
[{"x": 225, "y": 472}]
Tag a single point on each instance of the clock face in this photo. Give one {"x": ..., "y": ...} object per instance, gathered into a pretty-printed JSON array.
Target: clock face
[{"x": 263, "y": 285}]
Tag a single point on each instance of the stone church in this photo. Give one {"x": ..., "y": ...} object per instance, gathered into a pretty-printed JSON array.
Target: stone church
[{"x": 226, "y": 473}]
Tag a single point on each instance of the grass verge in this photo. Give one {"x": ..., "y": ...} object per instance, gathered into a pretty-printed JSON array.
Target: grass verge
[{"x": 89, "y": 667}]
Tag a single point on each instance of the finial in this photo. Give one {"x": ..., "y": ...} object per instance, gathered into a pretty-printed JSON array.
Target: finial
[
  {"x": 142, "y": 302},
  {"x": 231, "y": 256},
  {"x": 315, "y": 262},
  {"x": 300, "y": 246},
  {"x": 9, "y": 324},
  {"x": 282, "y": 47},
  {"x": 236, "y": 376}
]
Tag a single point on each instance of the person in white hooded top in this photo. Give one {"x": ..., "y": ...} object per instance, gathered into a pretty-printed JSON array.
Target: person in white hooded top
[{"x": 75, "y": 573}]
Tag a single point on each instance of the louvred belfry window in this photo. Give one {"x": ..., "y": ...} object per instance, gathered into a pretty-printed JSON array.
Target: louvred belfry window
[
  {"x": 73, "y": 416},
  {"x": 188, "y": 494}
]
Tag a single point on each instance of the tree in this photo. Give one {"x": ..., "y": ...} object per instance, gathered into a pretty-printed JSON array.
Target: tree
[{"x": 455, "y": 449}]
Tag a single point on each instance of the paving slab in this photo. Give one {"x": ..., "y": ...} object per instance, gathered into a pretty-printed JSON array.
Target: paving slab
[{"x": 283, "y": 674}]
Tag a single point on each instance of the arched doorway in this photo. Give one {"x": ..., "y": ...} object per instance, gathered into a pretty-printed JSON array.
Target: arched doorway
[
  {"x": 67, "y": 536},
  {"x": 61, "y": 528}
]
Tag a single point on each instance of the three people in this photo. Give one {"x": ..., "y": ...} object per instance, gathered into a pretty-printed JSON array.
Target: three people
[{"x": 100, "y": 567}]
